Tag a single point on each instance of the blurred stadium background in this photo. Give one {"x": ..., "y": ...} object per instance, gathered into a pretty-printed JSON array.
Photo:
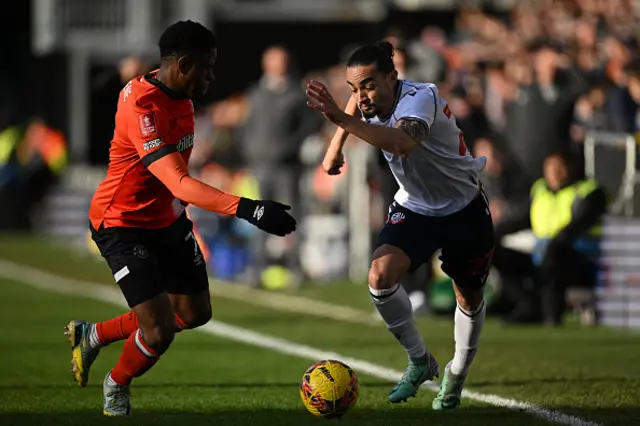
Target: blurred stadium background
[{"x": 524, "y": 78}]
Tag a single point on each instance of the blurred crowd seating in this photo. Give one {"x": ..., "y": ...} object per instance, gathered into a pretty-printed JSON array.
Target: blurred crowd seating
[{"x": 521, "y": 84}]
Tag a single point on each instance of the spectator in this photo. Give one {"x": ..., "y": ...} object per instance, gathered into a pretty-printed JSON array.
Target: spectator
[
  {"x": 277, "y": 124},
  {"x": 539, "y": 118},
  {"x": 565, "y": 216},
  {"x": 619, "y": 105},
  {"x": 632, "y": 71},
  {"x": 521, "y": 86},
  {"x": 104, "y": 102}
]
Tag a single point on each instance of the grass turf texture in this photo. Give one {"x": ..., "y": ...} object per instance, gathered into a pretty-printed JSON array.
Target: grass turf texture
[{"x": 589, "y": 372}]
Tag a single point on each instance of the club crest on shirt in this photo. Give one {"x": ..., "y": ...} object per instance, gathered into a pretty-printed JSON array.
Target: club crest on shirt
[{"x": 147, "y": 123}]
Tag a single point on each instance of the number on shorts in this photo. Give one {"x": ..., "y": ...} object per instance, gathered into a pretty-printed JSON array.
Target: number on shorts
[{"x": 196, "y": 249}]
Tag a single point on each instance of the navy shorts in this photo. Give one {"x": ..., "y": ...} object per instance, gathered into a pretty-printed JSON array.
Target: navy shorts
[
  {"x": 147, "y": 262},
  {"x": 465, "y": 239}
]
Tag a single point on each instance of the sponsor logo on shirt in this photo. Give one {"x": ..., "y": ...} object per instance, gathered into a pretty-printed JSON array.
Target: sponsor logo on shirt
[
  {"x": 185, "y": 143},
  {"x": 152, "y": 144}
]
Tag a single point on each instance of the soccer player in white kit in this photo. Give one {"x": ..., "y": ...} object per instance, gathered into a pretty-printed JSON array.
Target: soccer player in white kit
[{"x": 440, "y": 205}]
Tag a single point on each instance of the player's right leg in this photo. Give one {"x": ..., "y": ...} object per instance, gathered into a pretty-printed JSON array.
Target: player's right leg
[
  {"x": 132, "y": 256},
  {"x": 180, "y": 263},
  {"x": 140, "y": 353},
  {"x": 391, "y": 261},
  {"x": 115, "y": 248},
  {"x": 87, "y": 339}
]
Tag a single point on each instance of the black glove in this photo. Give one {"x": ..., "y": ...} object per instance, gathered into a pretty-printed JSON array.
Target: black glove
[{"x": 270, "y": 216}]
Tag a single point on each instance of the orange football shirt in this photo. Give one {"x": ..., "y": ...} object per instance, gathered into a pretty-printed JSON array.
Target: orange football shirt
[{"x": 151, "y": 122}]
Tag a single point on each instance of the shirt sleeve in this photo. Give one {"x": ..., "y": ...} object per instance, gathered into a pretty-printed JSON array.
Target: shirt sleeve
[
  {"x": 172, "y": 171},
  {"x": 150, "y": 133},
  {"x": 421, "y": 105}
]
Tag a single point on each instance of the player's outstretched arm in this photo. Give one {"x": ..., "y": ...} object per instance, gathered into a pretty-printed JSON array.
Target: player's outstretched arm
[
  {"x": 270, "y": 216},
  {"x": 334, "y": 157},
  {"x": 398, "y": 141},
  {"x": 341, "y": 135}
]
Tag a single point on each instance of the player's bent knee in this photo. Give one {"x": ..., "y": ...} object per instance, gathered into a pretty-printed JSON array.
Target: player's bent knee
[
  {"x": 388, "y": 267},
  {"x": 157, "y": 322},
  {"x": 197, "y": 317},
  {"x": 158, "y": 337},
  {"x": 378, "y": 279},
  {"x": 469, "y": 297},
  {"x": 192, "y": 310},
  {"x": 382, "y": 276}
]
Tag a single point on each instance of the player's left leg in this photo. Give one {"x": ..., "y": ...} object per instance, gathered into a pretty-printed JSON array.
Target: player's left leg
[
  {"x": 186, "y": 280},
  {"x": 467, "y": 261},
  {"x": 192, "y": 310}
]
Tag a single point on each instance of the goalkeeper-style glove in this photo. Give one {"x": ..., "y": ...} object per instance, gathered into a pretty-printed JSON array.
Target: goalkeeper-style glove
[{"x": 270, "y": 216}]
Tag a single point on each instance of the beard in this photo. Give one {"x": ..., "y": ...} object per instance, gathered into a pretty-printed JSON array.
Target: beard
[{"x": 370, "y": 113}]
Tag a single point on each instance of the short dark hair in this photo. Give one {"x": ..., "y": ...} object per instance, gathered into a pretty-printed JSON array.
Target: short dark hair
[
  {"x": 379, "y": 54},
  {"x": 186, "y": 37},
  {"x": 568, "y": 158}
]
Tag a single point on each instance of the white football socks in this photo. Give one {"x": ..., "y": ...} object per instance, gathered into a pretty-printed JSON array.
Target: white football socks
[
  {"x": 467, "y": 329},
  {"x": 394, "y": 307}
]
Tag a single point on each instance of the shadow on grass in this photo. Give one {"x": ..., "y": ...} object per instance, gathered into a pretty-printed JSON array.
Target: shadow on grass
[
  {"x": 390, "y": 415},
  {"x": 609, "y": 416},
  {"x": 394, "y": 415},
  {"x": 191, "y": 386}
]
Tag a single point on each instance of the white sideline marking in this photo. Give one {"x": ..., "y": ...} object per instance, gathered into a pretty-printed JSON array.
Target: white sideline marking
[
  {"x": 277, "y": 301},
  {"x": 63, "y": 285},
  {"x": 291, "y": 303}
]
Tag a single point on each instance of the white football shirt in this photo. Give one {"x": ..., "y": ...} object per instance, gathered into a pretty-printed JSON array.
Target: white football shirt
[{"x": 439, "y": 177}]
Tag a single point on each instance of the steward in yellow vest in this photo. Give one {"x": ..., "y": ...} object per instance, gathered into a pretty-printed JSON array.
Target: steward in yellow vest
[
  {"x": 566, "y": 219},
  {"x": 565, "y": 212},
  {"x": 565, "y": 216},
  {"x": 32, "y": 157}
]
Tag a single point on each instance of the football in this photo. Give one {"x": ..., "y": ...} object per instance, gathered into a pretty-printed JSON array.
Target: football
[{"x": 329, "y": 389}]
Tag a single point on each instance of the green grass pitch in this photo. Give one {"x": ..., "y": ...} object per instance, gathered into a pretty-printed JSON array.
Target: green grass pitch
[{"x": 590, "y": 373}]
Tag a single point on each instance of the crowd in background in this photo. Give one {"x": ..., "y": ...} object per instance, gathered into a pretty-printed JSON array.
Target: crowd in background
[{"x": 521, "y": 85}]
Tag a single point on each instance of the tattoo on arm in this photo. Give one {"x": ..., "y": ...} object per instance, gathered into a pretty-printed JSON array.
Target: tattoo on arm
[{"x": 414, "y": 128}]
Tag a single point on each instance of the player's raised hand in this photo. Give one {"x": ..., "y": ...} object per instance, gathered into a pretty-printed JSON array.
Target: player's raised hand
[
  {"x": 270, "y": 216},
  {"x": 321, "y": 100}
]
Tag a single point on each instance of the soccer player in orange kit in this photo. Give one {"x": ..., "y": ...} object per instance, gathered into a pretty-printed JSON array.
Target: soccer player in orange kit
[{"x": 138, "y": 218}]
